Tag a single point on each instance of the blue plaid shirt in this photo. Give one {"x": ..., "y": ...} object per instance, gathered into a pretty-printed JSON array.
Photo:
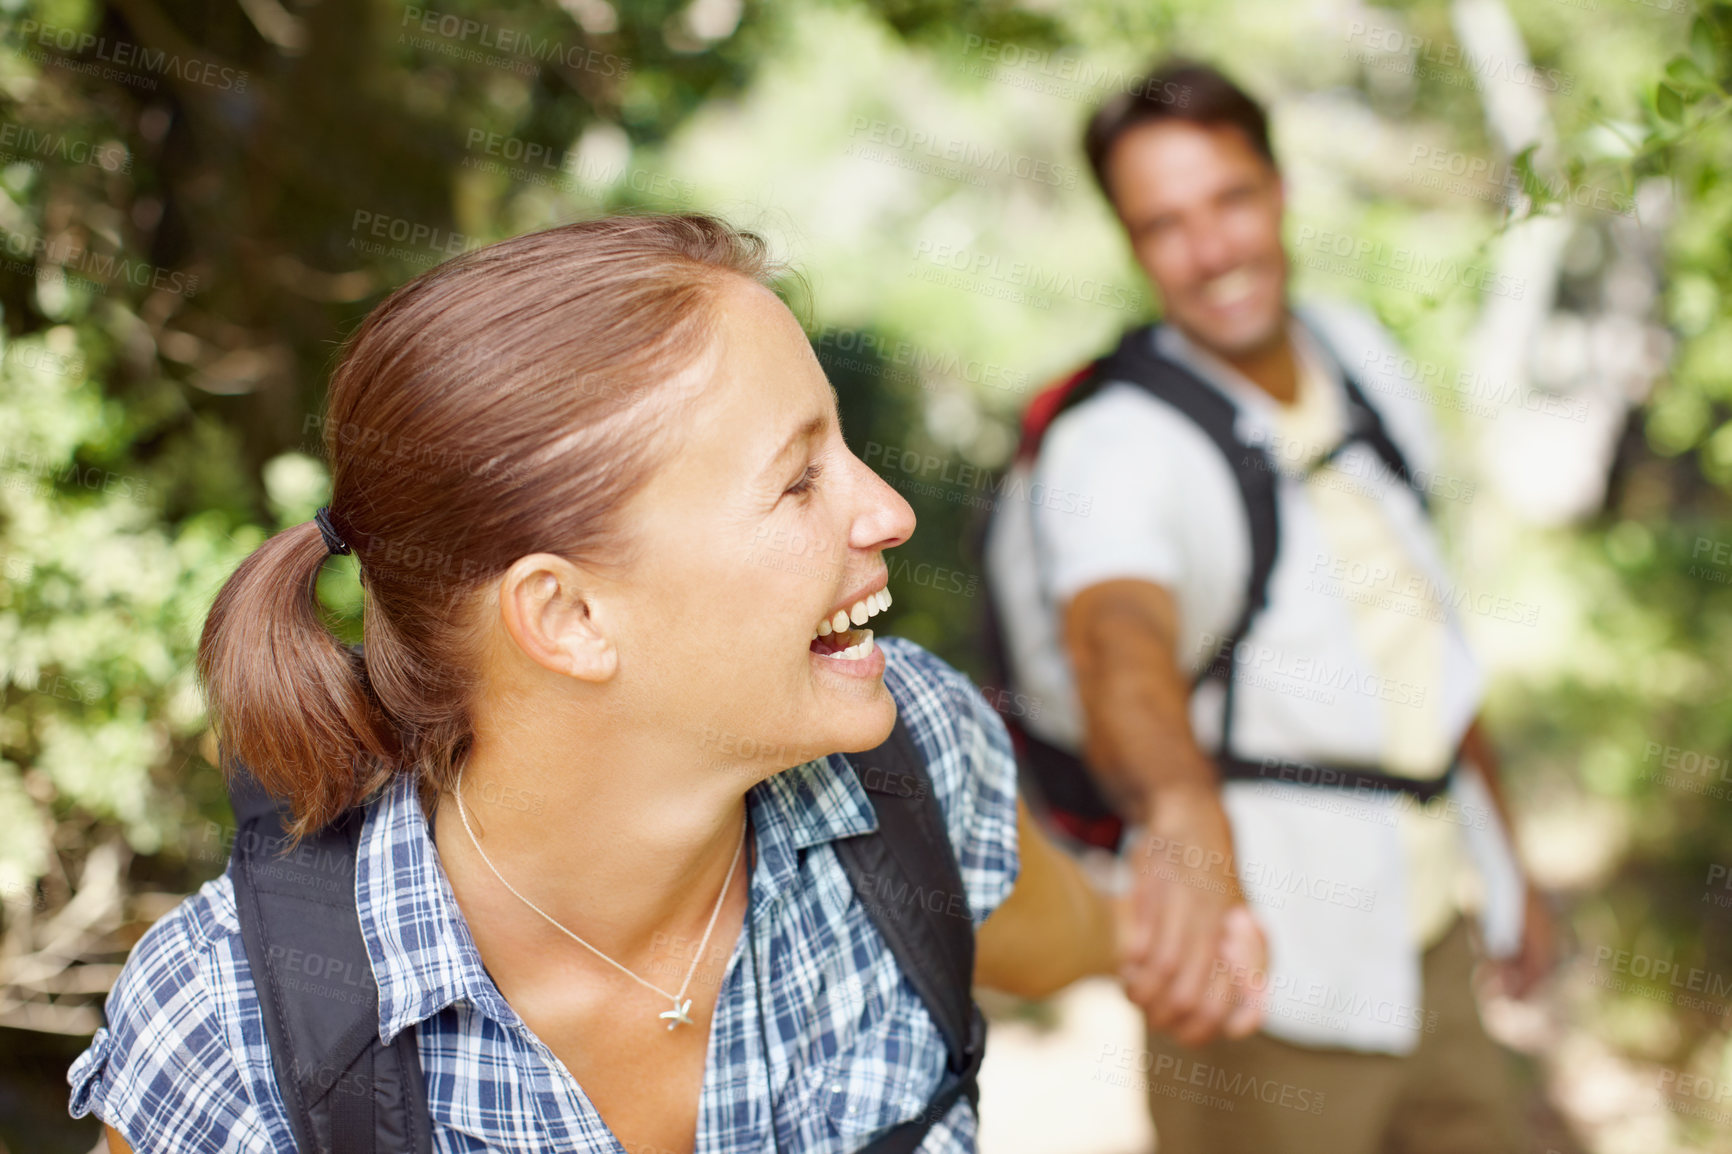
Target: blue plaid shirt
[{"x": 846, "y": 1050}]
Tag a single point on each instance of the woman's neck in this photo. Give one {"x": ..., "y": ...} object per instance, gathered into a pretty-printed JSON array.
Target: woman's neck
[{"x": 630, "y": 860}]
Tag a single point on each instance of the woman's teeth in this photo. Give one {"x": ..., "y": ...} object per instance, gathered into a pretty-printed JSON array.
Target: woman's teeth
[
  {"x": 837, "y": 628},
  {"x": 855, "y": 651},
  {"x": 859, "y": 613}
]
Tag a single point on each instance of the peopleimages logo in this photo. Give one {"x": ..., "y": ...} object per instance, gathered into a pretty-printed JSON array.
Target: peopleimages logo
[
  {"x": 1687, "y": 1094},
  {"x": 411, "y": 233},
  {"x": 1687, "y": 770},
  {"x": 1718, "y": 555},
  {"x": 1485, "y": 66},
  {"x": 962, "y": 151},
  {"x": 1272, "y": 883},
  {"x": 461, "y": 31},
  {"x": 1331, "y": 1002},
  {"x": 1662, "y": 972},
  {"x": 31, "y": 144},
  {"x": 990, "y": 268},
  {"x": 100, "y": 270},
  {"x": 1398, "y": 266},
  {"x": 1145, "y": 1070},
  {"x": 1482, "y": 178},
  {"x": 1414, "y": 594},
  {"x": 942, "y": 476},
  {"x": 1465, "y": 390},
  {"x": 1063, "y": 75},
  {"x": 133, "y": 57},
  {"x": 918, "y": 364},
  {"x": 1273, "y": 668}
]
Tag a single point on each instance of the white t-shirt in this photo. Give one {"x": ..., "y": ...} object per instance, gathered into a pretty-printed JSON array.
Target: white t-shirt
[
  {"x": 1163, "y": 506},
  {"x": 1356, "y": 659}
]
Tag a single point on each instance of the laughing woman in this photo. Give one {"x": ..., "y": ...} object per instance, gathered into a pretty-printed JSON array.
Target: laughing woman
[{"x": 617, "y": 562}]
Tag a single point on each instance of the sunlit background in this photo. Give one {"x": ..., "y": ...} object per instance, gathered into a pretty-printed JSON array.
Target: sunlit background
[{"x": 201, "y": 197}]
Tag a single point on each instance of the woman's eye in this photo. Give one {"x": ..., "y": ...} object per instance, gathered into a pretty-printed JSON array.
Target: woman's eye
[{"x": 807, "y": 480}]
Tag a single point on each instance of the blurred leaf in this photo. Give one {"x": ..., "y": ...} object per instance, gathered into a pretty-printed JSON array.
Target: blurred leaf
[
  {"x": 1669, "y": 104},
  {"x": 1705, "y": 46},
  {"x": 1685, "y": 74}
]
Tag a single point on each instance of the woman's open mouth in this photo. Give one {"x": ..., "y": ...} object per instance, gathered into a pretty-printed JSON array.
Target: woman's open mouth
[{"x": 840, "y": 635}]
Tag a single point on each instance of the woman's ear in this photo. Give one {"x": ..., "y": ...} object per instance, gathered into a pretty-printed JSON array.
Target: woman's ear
[{"x": 546, "y": 605}]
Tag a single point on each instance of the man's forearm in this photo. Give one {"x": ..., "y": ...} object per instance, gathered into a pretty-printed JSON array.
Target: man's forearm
[
  {"x": 1478, "y": 749},
  {"x": 1136, "y": 707},
  {"x": 1136, "y": 701}
]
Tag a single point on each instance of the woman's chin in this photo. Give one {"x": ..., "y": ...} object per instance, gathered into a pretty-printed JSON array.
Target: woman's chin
[{"x": 856, "y": 713}]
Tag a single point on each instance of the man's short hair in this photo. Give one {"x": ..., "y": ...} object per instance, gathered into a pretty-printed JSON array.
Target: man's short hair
[{"x": 1175, "y": 89}]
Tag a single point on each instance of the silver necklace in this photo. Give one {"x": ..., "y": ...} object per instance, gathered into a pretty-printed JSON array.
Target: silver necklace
[{"x": 674, "y": 1017}]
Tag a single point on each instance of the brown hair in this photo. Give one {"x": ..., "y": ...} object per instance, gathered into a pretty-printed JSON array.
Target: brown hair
[
  {"x": 1174, "y": 89},
  {"x": 494, "y": 406}
]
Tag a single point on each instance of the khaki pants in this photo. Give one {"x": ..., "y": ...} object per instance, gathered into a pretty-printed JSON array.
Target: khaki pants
[{"x": 1452, "y": 1095}]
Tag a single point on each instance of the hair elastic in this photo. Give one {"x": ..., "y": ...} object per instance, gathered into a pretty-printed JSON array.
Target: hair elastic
[{"x": 333, "y": 542}]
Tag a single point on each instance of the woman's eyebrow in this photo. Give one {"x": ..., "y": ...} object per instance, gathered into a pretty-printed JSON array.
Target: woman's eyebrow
[{"x": 810, "y": 428}]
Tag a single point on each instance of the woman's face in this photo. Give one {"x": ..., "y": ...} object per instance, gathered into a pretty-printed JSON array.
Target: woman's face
[{"x": 760, "y": 524}]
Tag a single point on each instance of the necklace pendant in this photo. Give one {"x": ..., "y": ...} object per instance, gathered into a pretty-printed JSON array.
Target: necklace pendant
[{"x": 677, "y": 1015}]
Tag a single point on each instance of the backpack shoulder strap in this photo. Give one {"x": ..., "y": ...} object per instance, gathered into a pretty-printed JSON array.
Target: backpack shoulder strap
[
  {"x": 1136, "y": 361},
  {"x": 931, "y": 931},
  {"x": 345, "y": 1092},
  {"x": 1365, "y": 423},
  {"x": 1368, "y": 426}
]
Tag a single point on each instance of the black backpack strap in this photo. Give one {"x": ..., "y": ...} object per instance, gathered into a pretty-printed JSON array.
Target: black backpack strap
[
  {"x": 1137, "y": 362},
  {"x": 1365, "y": 424},
  {"x": 345, "y": 1092},
  {"x": 907, "y": 877},
  {"x": 1055, "y": 779},
  {"x": 1354, "y": 778}
]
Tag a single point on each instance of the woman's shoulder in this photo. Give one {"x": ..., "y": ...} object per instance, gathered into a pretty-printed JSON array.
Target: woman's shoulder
[
  {"x": 970, "y": 761},
  {"x": 182, "y": 1062}
]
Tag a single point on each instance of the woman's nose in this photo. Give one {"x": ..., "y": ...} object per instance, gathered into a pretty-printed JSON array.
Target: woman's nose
[{"x": 886, "y": 519}]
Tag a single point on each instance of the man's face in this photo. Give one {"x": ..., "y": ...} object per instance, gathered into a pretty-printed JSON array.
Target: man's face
[{"x": 1203, "y": 213}]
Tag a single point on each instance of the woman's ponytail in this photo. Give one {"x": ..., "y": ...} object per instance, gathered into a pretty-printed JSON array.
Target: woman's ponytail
[{"x": 289, "y": 701}]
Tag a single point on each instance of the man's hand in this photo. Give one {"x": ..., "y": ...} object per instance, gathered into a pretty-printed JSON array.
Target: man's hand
[
  {"x": 1192, "y": 951},
  {"x": 1244, "y": 961},
  {"x": 1538, "y": 952},
  {"x": 1518, "y": 976},
  {"x": 1121, "y": 636}
]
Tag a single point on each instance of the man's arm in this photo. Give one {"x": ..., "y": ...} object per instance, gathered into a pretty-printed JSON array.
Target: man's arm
[
  {"x": 1121, "y": 636},
  {"x": 1477, "y": 749},
  {"x": 1538, "y": 952}
]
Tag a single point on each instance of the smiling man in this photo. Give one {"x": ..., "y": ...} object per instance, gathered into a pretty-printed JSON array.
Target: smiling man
[{"x": 1255, "y": 687}]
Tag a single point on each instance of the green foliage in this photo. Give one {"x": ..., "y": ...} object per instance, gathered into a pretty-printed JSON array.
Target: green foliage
[{"x": 185, "y": 249}]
